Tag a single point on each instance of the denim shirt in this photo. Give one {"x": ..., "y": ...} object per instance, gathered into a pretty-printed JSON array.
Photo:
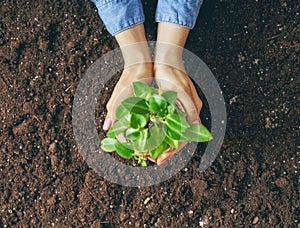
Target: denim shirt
[{"x": 119, "y": 15}]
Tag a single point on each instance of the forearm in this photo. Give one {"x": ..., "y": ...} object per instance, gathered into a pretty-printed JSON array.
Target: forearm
[
  {"x": 171, "y": 39},
  {"x": 119, "y": 15},
  {"x": 134, "y": 45},
  {"x": 175, "y": 19}
]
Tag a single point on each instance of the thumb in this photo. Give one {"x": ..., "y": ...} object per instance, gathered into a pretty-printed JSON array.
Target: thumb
[
  {"x": 107, "y": 122},
  {"x": 190, "y": 109}
]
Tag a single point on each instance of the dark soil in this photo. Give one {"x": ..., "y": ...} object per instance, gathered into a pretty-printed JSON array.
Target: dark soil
[{"x": 252, "y": 47}]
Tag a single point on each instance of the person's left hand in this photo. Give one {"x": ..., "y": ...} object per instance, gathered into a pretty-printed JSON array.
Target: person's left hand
[{"x": 170, "y": 78}]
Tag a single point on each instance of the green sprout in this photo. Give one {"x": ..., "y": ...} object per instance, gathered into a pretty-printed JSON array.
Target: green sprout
[{"x": 151, "y": 124}]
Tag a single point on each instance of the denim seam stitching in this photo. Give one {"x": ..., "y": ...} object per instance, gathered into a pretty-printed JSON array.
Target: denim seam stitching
[
  {"x": 171, "y": 20},
  {"x": 129, "y": 24},
  {"x": 108, "y": 2}
]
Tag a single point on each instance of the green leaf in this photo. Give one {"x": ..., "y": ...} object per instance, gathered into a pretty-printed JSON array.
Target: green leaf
[
  {"x": 137, "y": 121},
  {"x": 177, "y": 135},
  {"x": 142, "y": 90},
  {"x": 176, "y": 122},
  {"x": 118, "y": 127},
  {"x": 198, "y": 133},
  {"x": 176, "y": 126},
  {"x": 141, "y": 141},
  {"x": 163, "y": 113},
  {"x": 157, "y": 103},
  {"x": 171, "y": 109},
  {"x": 172, "y": 142},
  {"x": 124, "y": 151},
  {"x": 170, "y": 96},
  {"x": 121, "y": 112},
  {"x": 143, "y": 163},
  {"x": 136, "y": 105},
  {"x": 180, "y": 113},
  {"x": 157, "y": 136},
  {"x": 132, "y": 134},
  {"x": 158, "y": 150},
  {"x": 108, "y": 144}
]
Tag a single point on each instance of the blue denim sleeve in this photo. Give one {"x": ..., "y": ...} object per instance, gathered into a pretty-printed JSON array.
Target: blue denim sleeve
[
  {"x": 181, "y": 12},
  {"x": 119, "y": 15}
]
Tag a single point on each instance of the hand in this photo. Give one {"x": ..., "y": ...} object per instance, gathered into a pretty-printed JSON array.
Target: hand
[
  {"x": 169, "y": 72},
  {"x": 177, "y": 80},
  {"x": 138, "y": 67},
  {"x": 123, "y": 89}
]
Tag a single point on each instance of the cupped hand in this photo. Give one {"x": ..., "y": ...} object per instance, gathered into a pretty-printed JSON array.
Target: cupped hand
[
  {"x": 170, "y": 78},
  {"x": 123, "y": 89}
]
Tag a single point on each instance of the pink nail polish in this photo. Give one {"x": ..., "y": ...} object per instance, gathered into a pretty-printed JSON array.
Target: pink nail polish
[{"x": 107, "y": 124}]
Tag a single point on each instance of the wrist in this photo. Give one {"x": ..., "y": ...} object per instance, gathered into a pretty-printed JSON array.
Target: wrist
[
  {"x": 136, "y": 53},
  {"x": 168, "y": 55},
  {"x": 172, "y": 34}
]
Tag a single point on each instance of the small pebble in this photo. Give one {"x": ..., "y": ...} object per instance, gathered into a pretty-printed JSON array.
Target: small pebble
[
  {"x": 255, "y": 220},
  {"x": 52, "y": 147},
  {"x": 281, "y": 182},
  {"x": 146, "y": 200}
]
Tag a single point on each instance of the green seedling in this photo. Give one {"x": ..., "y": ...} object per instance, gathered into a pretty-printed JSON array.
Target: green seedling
[{"x": 151, "y": 124}]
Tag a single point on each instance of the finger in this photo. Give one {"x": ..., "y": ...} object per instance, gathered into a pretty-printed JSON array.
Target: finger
[
  {"x": 190, "y": 108},
  {"x": 117, "y": 96},
  {"x": 163, "y": 157},
  {"x": 197, "y": 101},
  {"x": 107, "y": 123},
  {"x": 187, "y": 95},
  {"x": 110, "y": 117},
  {"x": 166, "y": 155}
]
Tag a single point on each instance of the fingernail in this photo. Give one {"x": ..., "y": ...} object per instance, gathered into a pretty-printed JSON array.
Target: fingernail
[
  {"x": 107, "y": 124},
  {"x": 197, "y": 121},
  {"x": 152, "y": 159}
]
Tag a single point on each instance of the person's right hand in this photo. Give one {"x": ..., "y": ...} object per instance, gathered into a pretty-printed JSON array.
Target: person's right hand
[
  {"x": 123, "y": 89},
  {"x": 138, "y": 67}
]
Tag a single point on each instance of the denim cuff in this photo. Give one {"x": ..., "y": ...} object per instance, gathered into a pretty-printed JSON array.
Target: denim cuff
[
  {"x": 180, "y": 12},
  {"x": 119, "y": 15}
]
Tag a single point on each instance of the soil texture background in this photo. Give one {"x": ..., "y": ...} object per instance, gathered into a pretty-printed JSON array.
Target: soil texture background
[{"x": 252, "y": 48}]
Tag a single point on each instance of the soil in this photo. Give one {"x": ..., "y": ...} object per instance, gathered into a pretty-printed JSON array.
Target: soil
[{"x": 252, "y": 47}]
